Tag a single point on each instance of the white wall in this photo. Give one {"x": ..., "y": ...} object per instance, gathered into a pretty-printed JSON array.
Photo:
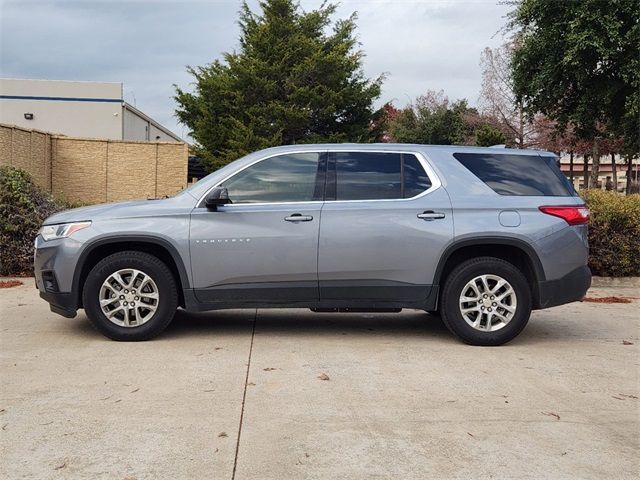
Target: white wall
[
  {"x": 135, "y": 127},
  {"x": 74, "y": 110},
  {"x": 139, "y": 127}
]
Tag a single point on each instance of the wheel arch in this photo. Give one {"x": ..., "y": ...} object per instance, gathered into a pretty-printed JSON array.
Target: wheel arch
[
  {"x": 159, "y": 247},
  {"x": 513, "y": 250}
]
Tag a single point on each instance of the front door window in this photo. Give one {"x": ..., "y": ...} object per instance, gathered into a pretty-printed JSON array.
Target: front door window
[{"x": 283, "y": 178}]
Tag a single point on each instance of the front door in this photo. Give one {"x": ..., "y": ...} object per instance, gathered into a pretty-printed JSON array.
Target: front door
[
  {"x": 384, "y": 226},
  {"x": 263, "y": 247}
]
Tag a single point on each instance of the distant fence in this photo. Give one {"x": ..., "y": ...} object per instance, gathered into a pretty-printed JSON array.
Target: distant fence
[{"x": 95, "y": 170}]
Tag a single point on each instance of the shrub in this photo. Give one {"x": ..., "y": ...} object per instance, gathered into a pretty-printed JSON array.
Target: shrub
[
  {"x": 614, "y": 233},
  {"x": 23, "y": 207}
]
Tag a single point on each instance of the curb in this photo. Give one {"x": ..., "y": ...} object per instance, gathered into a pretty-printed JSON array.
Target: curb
[{"x": 616, "y": 282}]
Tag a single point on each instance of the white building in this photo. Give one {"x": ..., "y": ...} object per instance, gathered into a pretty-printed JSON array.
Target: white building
[{"x": 77, "y": 109}]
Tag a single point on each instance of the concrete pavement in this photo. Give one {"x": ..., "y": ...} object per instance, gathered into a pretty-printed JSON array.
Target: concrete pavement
[{"x": 320, "y": 396}]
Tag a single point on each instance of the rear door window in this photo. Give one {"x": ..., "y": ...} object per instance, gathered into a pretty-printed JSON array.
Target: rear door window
[
  {"x": 523, "y": 175},
  {"x": 376, "y": 176}
]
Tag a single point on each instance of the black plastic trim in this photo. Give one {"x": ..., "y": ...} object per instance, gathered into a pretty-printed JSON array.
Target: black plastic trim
[
  {"x": 321, "y": 178},
  {"x": 262, "y": 292},
  {"x": 570, "y": 288},
  {"x": 378, "y": 290},
  {"x": 330, "y": 184},
  {"x": 75, "y": 290},
  {"x": 493, "y": 240},
  {"x": 305, "y": 295},
  {"x": 61, "y": 303},
  {"x": 49, "y": 281}
]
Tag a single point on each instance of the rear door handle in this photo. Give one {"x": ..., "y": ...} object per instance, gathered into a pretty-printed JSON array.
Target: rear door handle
[
  {"x": 431, "y": 215},
  {"x": 298, "y": 217}
]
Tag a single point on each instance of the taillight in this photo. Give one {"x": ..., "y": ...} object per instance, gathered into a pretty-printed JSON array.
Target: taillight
[{"x": 578, "y": 215}]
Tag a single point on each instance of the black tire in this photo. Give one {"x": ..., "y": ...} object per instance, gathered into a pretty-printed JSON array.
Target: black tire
[
  {"x": 167, "y": 302},
  {"x": 464, "y": 273}
]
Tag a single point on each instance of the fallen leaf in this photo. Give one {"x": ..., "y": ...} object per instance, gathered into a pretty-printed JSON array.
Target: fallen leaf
[
  {"x": 627, "y": 342},
  {"x": 606, "y": 300},
  {"x": 324, "y": 376},
  {"x": 268, "y": 369},
  {"x": 471, "y": 435},
  {"x": 627, "y": 396},
  {"x": 218, "y": 348},
  {"x": 223, "y": 434},
  {"x": 551, "y": 414},
  {"x": 61, "y": 466},
  {"x": 10, "y": 283}
]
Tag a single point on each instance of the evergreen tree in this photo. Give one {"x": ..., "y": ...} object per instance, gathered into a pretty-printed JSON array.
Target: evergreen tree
[{"x": 296, "y": 78}]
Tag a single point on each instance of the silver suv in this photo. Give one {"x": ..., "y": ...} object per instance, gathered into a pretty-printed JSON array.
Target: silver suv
[{"x": 480, "y": 235}]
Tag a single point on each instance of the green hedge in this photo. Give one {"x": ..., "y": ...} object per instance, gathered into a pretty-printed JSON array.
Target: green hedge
[
  {"x": 23, "y": 207},
  {"x": 614, "y": 233}
]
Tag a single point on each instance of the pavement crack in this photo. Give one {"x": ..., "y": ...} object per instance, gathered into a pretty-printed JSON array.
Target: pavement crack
[{"x": 244, "y": 396}]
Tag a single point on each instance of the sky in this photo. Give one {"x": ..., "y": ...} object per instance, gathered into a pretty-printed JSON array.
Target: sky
[{"x": 147, "y": 44}]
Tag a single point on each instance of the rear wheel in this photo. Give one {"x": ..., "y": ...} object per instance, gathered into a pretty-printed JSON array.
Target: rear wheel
[
  {"x": 486, "y": 301},
  {"x": 130, "y": 296}
]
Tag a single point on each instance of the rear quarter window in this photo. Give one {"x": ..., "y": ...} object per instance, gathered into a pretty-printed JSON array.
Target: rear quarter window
[{"x": 524, "y": 175}]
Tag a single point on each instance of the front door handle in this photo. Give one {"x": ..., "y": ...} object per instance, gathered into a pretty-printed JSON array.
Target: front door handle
[
  {"x": 431, "y": 215},
  {"x": 298, "y": 217}
]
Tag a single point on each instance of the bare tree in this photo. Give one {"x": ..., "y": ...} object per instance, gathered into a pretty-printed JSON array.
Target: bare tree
[{"x": 498, "y": 100}]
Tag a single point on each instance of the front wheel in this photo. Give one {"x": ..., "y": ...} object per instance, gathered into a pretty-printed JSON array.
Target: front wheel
[
  {"x": 130, "y": 296},
  {"x": 486, "y": 301}
]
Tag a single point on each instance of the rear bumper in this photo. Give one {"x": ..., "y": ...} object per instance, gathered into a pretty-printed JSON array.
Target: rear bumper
[{"x": 570, "y": 288}]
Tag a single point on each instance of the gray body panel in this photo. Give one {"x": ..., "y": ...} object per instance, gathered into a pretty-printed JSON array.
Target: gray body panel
[
  {"x": 359, "y": 253},
  {"x": 382, "y": 244},
  {"x": 241, "y": 245}
]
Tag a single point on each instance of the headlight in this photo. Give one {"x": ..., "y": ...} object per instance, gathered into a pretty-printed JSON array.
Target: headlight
[{"x": 62, "y": 230}]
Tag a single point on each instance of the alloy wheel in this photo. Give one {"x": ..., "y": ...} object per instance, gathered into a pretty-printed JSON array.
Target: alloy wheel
[
  {"x": 488, "y": 303},
  {"x": 129, "y": 297}
]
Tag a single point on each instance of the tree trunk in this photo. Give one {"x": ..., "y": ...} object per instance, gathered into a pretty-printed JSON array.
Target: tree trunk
[
  {"x": 571, "y": 166},
  {"x": 521, "y": 128},
  {"x": 585, "y": 173},
  {"x": 595, "y": 165},
  {"x": 614, "y": 172},
  {"x": 629, "y": 171}
]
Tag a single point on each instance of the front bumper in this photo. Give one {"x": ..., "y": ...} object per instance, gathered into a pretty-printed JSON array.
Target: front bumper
[
  {"x": 570, "y": 288},
  {"x": 54, "y": 266}
]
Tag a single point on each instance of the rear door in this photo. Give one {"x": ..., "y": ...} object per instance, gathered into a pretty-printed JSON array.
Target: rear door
[{"x": 385, "y": 223}]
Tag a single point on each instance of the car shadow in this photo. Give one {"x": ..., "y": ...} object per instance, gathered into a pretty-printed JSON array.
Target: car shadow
[
  {"x": 292, "y": 322},
  {"x": 303, "y": 322}
]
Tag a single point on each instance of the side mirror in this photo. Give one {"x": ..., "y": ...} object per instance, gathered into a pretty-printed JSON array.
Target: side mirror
[{"x": 218, "y": 196}]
